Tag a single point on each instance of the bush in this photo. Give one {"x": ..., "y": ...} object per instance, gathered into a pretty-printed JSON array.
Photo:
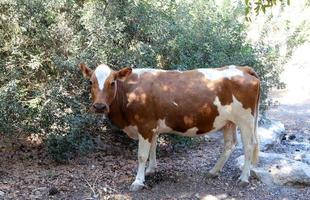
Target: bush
[
  {"x": 41, "y": 43},
  {"x": 63, "y": 148}
]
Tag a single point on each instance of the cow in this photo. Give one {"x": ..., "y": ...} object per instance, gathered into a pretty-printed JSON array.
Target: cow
[{"x": 147, "y": 102}]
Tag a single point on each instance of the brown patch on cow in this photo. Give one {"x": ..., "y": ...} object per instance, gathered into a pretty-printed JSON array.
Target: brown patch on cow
[{"x": 247, "y": 92}]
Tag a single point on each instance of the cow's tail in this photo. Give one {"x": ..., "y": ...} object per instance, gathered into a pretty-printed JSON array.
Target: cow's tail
[{"x": 255, "y": 156}]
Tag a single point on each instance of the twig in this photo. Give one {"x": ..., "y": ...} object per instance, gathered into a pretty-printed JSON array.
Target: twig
[{"x": 91, "y": 187}]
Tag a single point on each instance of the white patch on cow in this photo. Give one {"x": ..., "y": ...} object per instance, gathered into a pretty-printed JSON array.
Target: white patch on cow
[
  {"x": 175, "y": 103},
  {"x": 163, "y": 128},
  {"x": 131, "y": 131},
  {"x": 233, "y": 112},
  {"x": 140, "y": 71},
  {"x": 213, "y": 74},
  {"x": 102, "y": 72},
  {"x": 143, "y": 154},
  {"x": 190, "y": 132}
]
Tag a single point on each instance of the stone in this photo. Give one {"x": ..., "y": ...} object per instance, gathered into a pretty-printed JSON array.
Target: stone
[
  {"x": 270, "y": 135},
  {"x": 53, "y": 191},
  {"x": 278, "y": 169},
  {"x": 306, "y": 158},
  {"x": 1, "y": 193},
  {"x": 292, "y": 137}
]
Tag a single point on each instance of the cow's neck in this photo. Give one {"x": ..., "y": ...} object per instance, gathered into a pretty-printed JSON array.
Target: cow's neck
[{"x": 117, "y": 114}]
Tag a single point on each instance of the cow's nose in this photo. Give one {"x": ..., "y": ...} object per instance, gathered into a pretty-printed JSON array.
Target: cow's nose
[{"x": 99, "y": 106}]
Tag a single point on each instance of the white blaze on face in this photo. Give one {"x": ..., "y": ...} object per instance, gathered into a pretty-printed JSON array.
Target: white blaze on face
[
  {"x": 213, "y": 74},
  {"x": 102, "y": 72}
]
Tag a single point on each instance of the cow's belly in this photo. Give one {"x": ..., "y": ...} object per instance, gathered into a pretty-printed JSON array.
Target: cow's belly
[{"x": 162, "y": 127}]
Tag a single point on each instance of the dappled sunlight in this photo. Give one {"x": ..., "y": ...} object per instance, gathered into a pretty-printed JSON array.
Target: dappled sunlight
[
  {"x": 296, "y": 76},
  {"x": 34, "y": 139},
  {"x": 216, "y": 197},
  {"x": 136, "y": 97}
]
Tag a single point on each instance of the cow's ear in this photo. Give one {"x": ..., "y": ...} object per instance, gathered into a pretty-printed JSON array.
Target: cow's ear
[
  {"x": 87, "y": 72},
  {"x": 123, "y": 73}
]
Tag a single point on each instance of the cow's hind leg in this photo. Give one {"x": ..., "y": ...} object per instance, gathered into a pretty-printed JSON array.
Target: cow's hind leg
[
  {"x": 143, "y": 153},
  {"x": 152, "y": 158},
  {"x": 248, "y": 143},
  {"x": 229, "y": 133}
]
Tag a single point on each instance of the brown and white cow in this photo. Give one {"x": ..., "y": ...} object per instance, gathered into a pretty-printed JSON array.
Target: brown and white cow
[{"x": 147, "y": 102}]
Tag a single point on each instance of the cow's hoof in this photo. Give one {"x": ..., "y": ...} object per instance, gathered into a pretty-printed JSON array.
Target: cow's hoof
[
  {"x": 136, "y": 186},
  {"x": 242, "y": 183},
  {"x": 211, "y": 175}
]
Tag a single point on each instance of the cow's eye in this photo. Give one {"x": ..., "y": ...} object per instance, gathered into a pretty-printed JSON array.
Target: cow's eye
[
  {"x": 90, "y": 82},
  {"x": 113, "y": 83}
]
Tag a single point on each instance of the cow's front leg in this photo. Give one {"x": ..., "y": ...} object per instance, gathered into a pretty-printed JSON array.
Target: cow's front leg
[
  {"x": 143, "y": 153},
  {"x": 152, "y": 159}
]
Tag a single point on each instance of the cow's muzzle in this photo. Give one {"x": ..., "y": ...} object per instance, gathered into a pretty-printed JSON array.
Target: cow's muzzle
[{"x": 100, "y": 107}]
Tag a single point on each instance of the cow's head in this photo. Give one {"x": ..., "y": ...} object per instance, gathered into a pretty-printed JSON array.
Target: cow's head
[{"x": 103, "y": 81}]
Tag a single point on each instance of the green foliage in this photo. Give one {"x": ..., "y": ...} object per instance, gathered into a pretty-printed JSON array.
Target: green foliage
[
  {"x": 41, "y": 43},
  {"x": 261, "y": 6}
]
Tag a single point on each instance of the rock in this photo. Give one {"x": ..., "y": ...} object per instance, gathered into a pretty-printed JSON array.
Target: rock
[
  {"x": 277, "y": 169},
  {"x": 1, "y": 193},
  {"x": 292, "y": 137},
  {"x": 284, "y": 137},
  {"x": 306, "y": 158},
  {"x": 53, "y": 191},
  {"x": 268, "y": 135},
  {"x": 271, "y": 134}
]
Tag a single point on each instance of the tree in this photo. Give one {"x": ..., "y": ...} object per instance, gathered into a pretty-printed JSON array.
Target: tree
[{"x": 261, "y": 5}]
